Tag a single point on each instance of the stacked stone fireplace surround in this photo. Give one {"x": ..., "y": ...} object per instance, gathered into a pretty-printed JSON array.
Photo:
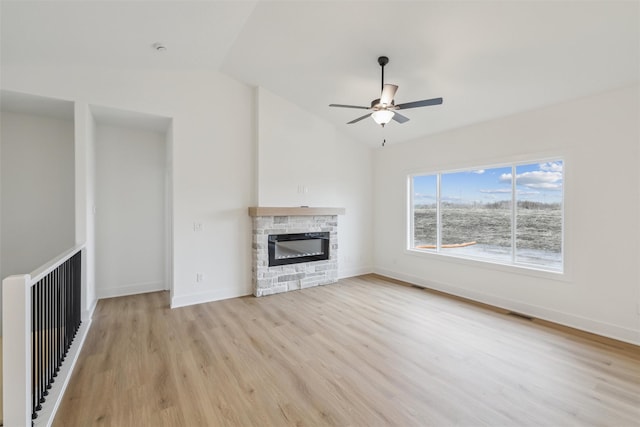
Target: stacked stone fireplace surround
[{"x": 283, "y": 278}]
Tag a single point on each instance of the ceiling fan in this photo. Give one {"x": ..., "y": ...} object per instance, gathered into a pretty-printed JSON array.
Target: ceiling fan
[{"x": 384, "y": 109}]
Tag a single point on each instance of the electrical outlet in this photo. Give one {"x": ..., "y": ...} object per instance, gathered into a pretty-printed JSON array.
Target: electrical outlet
[
  {"x": 197, "y": 227},
  {"x": 199, "y": 277}
]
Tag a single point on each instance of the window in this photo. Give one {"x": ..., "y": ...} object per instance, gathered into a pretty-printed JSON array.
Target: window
[{"x": 487, "y": 214}]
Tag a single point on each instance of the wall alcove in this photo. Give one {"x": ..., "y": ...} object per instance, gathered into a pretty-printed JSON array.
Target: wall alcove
[{"x": 132, "y": 201}]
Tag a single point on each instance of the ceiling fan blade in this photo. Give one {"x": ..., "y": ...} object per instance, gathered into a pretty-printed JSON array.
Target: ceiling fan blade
[
  {"x": 359, "y": 118},
  {"x": 348, "y": 106},
  {"x": 400, "y": 118},
  {"x": 388, "y": 92},
  {"x": 423, "y": 103}
]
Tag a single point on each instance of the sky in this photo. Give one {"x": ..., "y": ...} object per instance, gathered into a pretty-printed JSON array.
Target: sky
[{"x": 541, "y": 182}]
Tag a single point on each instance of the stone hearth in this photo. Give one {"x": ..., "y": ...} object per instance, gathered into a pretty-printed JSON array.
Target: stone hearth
[{"x": 271, "y": 280}]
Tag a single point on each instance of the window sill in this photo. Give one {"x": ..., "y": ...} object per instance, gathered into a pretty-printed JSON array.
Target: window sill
[{"x": 522, "y": 269}]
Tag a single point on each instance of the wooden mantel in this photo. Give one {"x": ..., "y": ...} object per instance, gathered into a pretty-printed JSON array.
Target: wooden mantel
[{"x": 293, "y": 211}]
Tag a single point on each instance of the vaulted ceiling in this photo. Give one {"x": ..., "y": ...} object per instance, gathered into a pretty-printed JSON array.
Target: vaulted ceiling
[{"x": 487, "y": 59}]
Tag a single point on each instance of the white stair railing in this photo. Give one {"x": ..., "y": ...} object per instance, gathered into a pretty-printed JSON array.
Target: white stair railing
[{"x": 42, "y": 336}]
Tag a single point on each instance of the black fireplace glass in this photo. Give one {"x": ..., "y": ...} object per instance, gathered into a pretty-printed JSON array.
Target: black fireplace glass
[{"x": 298, "y": 247}]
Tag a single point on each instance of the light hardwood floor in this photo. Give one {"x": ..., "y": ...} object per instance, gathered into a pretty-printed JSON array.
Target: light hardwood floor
[
  {"x": 1, "y": 383},
  {"x": 363, "y": 352}
]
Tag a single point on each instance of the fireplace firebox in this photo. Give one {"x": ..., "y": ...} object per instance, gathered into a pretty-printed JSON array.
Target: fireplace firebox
[{"x": 299, "y": 247}]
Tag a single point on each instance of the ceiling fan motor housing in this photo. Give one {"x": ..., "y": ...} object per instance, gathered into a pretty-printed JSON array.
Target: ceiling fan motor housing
[{"x": 376, "y": 105}]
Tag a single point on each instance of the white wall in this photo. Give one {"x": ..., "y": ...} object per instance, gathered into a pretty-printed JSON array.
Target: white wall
[
  {"x": 303, "y": 160},
  {"x": 168, "y": 180},
  {"x": 217, "y": 165},
  {"x": 38, "y": 210},
  {"x": 85, "y": 201},
  {"x": 598, "y": 139},
  {"x": 214, "y": 166},
  {"x": 130, "y": 211},
  {"x": 1, "y": 275},
  {"x": 212, "y": 156},
  {"x": 90, "y": 213}
]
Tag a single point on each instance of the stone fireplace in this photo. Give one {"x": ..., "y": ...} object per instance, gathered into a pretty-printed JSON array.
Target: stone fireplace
[{"x": 308, "y": 248}]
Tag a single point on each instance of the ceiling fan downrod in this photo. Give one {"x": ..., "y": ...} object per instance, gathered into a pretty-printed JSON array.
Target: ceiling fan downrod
[{"x": 382, "y": 60}]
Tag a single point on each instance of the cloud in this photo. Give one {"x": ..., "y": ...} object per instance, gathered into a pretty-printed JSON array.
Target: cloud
[
  {"x": 424, "y": 196},
  {"x": 539, "y": 180},
  {"x": 479, "y": 171},
  {"x": 505, "y": 177},
  {"x": 551, "y": 166},
  {"x": 497, "y": 190}
]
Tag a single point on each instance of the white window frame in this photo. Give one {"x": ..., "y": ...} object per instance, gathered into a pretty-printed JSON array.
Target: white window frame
[{"x": 521, "y": 266}]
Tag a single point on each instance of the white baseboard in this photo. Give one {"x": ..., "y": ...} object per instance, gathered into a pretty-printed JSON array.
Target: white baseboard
[
  {"x": 578, "y": 322},
  {"x": 352, "y": 272},
  {"x": 138, "y": 288},
  {"x": 209, "y": 296},
  {"x": 87, "y": 315}
]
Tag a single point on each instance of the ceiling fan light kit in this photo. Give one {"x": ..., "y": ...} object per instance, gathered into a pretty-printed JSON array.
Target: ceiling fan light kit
[
  {"x": 382, "y": 117},
  {"x": 383, "y": 109}
]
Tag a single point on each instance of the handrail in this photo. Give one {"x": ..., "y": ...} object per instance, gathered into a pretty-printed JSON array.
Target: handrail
[{"x": 54, "y": 263}]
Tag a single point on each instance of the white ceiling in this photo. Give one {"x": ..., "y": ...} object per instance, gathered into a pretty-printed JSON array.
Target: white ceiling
[{"x": 487, "y": 59}]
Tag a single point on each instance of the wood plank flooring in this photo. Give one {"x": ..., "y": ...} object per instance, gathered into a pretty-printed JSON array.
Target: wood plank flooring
[
  {"x": 363, "y": 352},
  {"x": 1, "y": 383}
]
